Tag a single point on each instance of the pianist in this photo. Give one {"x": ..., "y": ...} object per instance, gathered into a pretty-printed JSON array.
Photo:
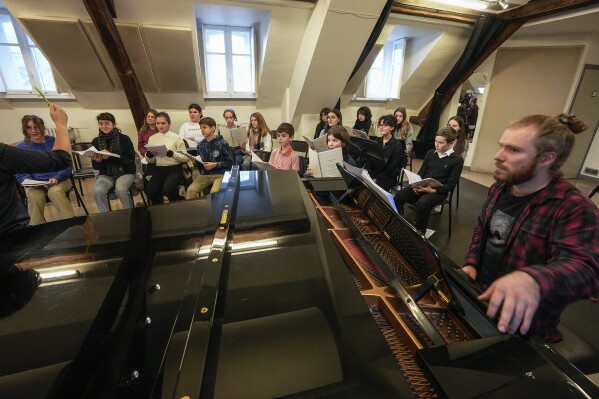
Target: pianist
[{"x": 536, "y": 245}]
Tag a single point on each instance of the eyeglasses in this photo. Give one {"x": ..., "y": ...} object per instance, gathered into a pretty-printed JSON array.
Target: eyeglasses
[{"x": 382, "y": 126}]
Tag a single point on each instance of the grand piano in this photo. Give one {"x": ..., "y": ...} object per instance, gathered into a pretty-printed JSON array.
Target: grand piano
[{"x": 263, "y": 290}]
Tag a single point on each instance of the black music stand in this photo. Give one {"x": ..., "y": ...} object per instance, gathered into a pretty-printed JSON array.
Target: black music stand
[{"x": 368, "y": 148}]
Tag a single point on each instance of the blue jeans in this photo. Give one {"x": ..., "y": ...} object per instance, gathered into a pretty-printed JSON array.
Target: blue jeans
[{"x": 121, "y": 188}]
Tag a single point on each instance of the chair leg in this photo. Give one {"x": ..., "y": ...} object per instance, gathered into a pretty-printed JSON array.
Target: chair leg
[
  {"x": 457, "y": 201},
  {"x": 595, "y": 190},
  {"x": 449, "y": 220},
  {"x": 109, "y": 205},
  {"x": 79, "y": 199}
]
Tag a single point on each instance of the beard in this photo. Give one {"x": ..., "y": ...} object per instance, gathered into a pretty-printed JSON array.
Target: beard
[{"x": 519, "y": 176}]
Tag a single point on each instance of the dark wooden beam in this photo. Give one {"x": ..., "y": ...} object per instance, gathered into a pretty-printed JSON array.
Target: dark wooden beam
[
  {"x": 100, "y": 15},
  {"x": 516, "y": 17},
  {"x": 542, "y": 8},
  {"x": 407, "y": 9},
  {"x": 494, "y": 45}
]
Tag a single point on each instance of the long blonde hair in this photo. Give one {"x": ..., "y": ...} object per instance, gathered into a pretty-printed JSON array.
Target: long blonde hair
[
  {"x": 262, "y": 126},
  {"x": 405, "y": 126}
]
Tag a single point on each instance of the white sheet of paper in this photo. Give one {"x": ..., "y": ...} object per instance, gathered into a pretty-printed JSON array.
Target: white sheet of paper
[
  {"x": 160, "y": 149},
  {"x": 319, "y": 144},
  {"x": 255, "y": 158},
  {"x": 34, "y": 183},
  {"x": 365, "y": 177},
  {"x": 415, "y": 180},
  {"x": 196, "y": 157},
  {"x": 324, "y": 164},
  {"x": 91, "y": 151}
]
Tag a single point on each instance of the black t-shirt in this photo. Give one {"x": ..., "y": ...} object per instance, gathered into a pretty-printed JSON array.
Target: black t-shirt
[{"x": 506, "y": 211}]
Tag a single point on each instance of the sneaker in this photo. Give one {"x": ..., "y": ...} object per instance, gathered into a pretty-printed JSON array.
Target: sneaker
[{"x": 437, "y": 209}]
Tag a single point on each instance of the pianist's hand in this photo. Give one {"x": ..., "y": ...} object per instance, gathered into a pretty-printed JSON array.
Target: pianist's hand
[
  {"x": 470, "y": 271},
  {"x": 517, "y": 295}
]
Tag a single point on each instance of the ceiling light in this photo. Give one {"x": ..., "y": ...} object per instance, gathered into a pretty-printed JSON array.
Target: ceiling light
[{"x": 472, "y": 4}]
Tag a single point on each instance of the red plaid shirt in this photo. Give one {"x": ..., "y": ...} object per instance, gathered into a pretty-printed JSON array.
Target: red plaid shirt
[{"x": 556, "y": 241}]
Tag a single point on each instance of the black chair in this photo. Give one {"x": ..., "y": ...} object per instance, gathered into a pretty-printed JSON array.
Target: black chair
[
  {"x": 133, "y": 191},
  {"x": 82, "y": 167},
  {"x": 594, "y": 191},
  {"x": 300, "y": 146},
  {"x": 446, "y": 201},
  {"x": 23, "y": 195},
  {"x": 408, "y": 165},
  {"x": 263, "y": 155}
]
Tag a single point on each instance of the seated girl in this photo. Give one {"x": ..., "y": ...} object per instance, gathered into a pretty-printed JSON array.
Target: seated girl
[
  {"x": 337, "y": 137},
  {"x": 60, "y": 183},
  {"x": 363, "y": 121},
  {"x": 259, "y": 139},
  {"x": 168, "y": 172},
  {"x": 112, "y": 171}
]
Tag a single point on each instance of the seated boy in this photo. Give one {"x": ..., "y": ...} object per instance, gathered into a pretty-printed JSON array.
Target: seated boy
[
  {"x": 441, "y": 164},
  {"x": 284, "y": 157},
  {"x": 216, "y": 160}
]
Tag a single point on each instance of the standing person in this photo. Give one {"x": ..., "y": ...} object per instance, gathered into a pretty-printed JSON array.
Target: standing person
[
  {"x": 259, "y": 138},
  {"x": 284, "y": 157},
  {"x": 57, "y": 191},
  {"x": 13, "y": 160},
  {"x": 461, "y": 145},
  {"x": 472, "y": 116},
  {"x": 441, "y": 164},
  {"x": 404, "y": 131},
  {"x": 536, "y": 245},
  {"x": 191, "y": 130},
  {"x": 363, "y": 119},
  {"x": 323, "y": 121},
  {"x": 112, "y": 171},
  {"x": 385, "y": 174},
  {"x": 168, "y": 171},
  {"x": 334, "y": 118},
  {"x": 217, "y": 159},
  {"x": 147, "y": 130}
]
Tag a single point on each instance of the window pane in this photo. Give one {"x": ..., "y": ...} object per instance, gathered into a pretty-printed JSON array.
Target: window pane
[
  {"x": 214, "y": 41},
  {"x": 374, "y": 84},
  {"x": 378, "y": 62},
  {"x": 216, "y": 77},
  {"x": 7, "y": 31},
  {"x": 240, "y": 42},
  {"x": 45, "y": 70},
  {"x": 13, "y": 69},
  {"x": 242, "y": 74}
]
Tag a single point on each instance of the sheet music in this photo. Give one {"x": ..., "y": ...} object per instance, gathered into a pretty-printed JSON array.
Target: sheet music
[
  {"x": 319, "y": 145},
  {"x": 160, "y": 149},
  {"x": 196, "y": 157},
  {"x": 34, "y": 183},
  {"x": 234, "y": 136},
  {"x": 91, "y": 151},
  {"x": 324, "y": 164},
  {"x": 416, "y": 181},
  {"x": 363, "y": 175}
]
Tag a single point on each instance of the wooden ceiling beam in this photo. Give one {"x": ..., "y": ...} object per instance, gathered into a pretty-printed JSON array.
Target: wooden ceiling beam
[
  {"x": 541, "y": 8},
  {"x": 100, "y": 14},
  {"x": 407, "y": 9}
]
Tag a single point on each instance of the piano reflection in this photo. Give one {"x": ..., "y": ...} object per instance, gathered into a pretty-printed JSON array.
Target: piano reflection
[{"x": 265, "y": 289}]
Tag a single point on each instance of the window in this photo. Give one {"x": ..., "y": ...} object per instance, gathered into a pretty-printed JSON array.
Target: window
[
  {"x": 383, "y": 81},
  {"x": 22, "y": 65},
  {"x": 229, "y": 60}
]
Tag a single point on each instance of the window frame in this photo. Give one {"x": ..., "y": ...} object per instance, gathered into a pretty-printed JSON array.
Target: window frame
[
  {"x": 228, "y": 53},
  {"x": 23, "y": 43},
  {"x": 390, "y": 68}
]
